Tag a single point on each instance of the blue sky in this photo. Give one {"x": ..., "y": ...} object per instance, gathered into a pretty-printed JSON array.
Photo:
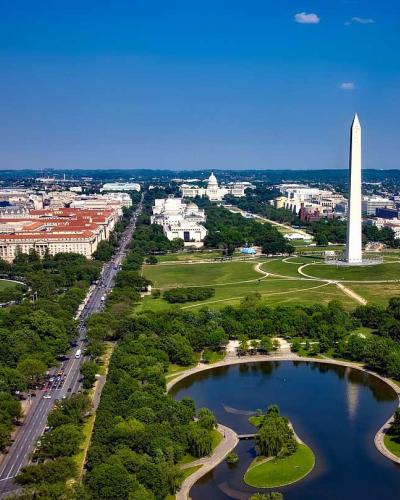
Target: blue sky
[{"x": 185, "y": 84}]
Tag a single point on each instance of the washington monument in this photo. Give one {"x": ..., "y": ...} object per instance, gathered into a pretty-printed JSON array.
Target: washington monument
[{"x": 354, "y": 245}]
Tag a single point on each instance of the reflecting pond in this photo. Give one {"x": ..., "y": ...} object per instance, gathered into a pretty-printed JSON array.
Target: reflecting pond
[{"x": 335, "y": 410}]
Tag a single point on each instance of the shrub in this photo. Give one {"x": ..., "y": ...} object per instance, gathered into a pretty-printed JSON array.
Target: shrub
[
  {"x": 232, "y": 458},
  {"x": 190, "y": 294}
]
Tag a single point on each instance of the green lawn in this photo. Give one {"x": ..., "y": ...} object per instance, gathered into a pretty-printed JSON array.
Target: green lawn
[
  {"x": 280, "y": 471},
  {"x": 185, "y": 256},
  {"x": 273, "y": 292},
  {"x": 200, "y": 274},
  {"x": 174, "y": 369},
  {"x": 190, "y": 470},
  {"x": 213, "y": 356},
  {"x": 392, "y": 445},
  {"x": 378, "y": 293},
  {"x": 8, "y": 285},
  {"x": 217, "y": 438},
  {"x": 383, "y": 271},
  {"x": 289, "y": 268}
]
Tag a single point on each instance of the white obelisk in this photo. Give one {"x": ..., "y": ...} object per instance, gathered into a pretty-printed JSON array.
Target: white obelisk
[{"x": 354, "y": 245}]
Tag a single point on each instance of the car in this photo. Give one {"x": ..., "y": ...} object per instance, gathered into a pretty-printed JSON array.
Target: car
[
  {"x": 47, "y": 396},
  {"x": 51, "y": 379},
  {"x": 69, "y": 389}
]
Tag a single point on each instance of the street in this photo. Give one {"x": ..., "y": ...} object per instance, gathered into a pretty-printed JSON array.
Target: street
[{"x": 35, "y": 422}]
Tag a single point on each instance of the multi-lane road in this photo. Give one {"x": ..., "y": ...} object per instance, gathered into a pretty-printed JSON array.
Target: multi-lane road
[{"x": 60, "y": 388}]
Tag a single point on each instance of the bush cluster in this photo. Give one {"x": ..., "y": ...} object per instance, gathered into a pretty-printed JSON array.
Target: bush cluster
[{"x": 189, "y": 294}]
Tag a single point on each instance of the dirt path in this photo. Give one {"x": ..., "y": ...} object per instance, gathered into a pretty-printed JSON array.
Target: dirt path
[
  {"x": 352, "y": 294},
  {"x": 269, "y": 294}
]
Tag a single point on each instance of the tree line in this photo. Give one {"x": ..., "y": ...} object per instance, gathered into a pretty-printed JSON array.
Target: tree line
[{"x": 227, "y": 230}]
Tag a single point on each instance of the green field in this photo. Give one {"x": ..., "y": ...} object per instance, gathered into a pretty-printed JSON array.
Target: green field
[
  {"x": 377, "y": 272},
  {"x": 288, "y": 268},
  {"x": 273, "y": 292},
  {"x": 376, "y": 293},
  {"x": 171, "y": 276},
  {"x": 186, "y": 256},
  {"x": 8, "y": 285},
  {"x": 280, "y": 471},
  {"x": 392, "y": 445},
  {"x": 233, "y": 280}
]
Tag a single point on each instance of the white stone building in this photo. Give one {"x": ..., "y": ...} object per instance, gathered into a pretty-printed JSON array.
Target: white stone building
[
  {"x": 393, "y": 224},
  {"x": 121, "y": 186},
  {"x": 180, "y": 220},
  {"x": 293, "y": 195},
  {"x": 213, "y": 191}
]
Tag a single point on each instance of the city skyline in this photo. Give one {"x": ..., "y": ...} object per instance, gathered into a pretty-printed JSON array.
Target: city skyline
[{"x": 183, "y": 86}]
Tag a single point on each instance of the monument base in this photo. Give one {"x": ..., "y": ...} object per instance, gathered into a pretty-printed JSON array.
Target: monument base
[{"x": 364, "y": 262}]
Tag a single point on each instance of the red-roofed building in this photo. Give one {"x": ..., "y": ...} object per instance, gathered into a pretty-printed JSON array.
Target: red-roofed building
[{"x": 56, "y": 230}]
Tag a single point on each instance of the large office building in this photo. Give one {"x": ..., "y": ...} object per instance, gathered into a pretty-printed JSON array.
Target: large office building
[
  {"x": 371, "y": 203},
  {"x": 296, "y": 197},
  {"x": 55, "y": 231},
  {"x": 180, "y": 220}
]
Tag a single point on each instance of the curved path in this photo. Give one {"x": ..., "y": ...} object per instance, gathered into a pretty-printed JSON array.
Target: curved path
[
  {"x": 301, "y": 271},
  {"x": 229, "y": 442},
  {"x": 230, "y": 437}
]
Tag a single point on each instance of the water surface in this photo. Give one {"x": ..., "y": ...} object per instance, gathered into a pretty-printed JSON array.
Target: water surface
[{"x": 335, "y": 410}]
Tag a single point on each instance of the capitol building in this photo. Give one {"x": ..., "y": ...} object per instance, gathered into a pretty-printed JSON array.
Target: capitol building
[{"x": 213, "y": 191}]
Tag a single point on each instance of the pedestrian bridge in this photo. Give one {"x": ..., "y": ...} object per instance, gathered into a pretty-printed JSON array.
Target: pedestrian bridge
[{"x": 247, "y": 436}]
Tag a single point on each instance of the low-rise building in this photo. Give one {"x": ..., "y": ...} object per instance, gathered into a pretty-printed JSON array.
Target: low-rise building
[
  {"x": 393, "y": 224},
  {"x": 121, "y": 186}
]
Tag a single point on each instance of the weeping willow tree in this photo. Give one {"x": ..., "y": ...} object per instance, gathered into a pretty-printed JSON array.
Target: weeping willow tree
[{"x": 275, "y": 437}]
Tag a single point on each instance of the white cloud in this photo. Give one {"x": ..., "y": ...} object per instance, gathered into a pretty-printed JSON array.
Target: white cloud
[
  {"x": 347, "y": 86},
  {"x": 304, "y": 18},
  {"x": 360, "y": 20}
]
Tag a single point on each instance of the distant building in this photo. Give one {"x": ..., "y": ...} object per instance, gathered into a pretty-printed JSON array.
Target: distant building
[
  {"x": 393, "y": 224},
  {"x": 371, "y": 203},
  {"x": 213, "y": 191},
  {"x": 180, "y": 220},
  {"x": 121, "y": 186},
  {"x": 321, "y": 202},
  {"x": 298, "y": 236},
  {"x": 387, "y": 213}
]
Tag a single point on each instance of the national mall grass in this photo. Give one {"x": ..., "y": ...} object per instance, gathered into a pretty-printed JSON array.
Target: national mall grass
[
  {"x": 234, "y": 280},
  {"x": 169, "y": 276}
]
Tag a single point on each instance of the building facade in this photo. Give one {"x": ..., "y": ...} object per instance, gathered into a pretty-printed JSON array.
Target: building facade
[
  {"x": 55, "y": 231},
  {"x": 121, "y": 186},
  {"x": 213, "y": 191},
  {"x": 180, "y": 220}
]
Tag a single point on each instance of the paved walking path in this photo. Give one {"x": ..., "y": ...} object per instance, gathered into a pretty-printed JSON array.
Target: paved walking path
[{"x": 228, "y": 443}]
